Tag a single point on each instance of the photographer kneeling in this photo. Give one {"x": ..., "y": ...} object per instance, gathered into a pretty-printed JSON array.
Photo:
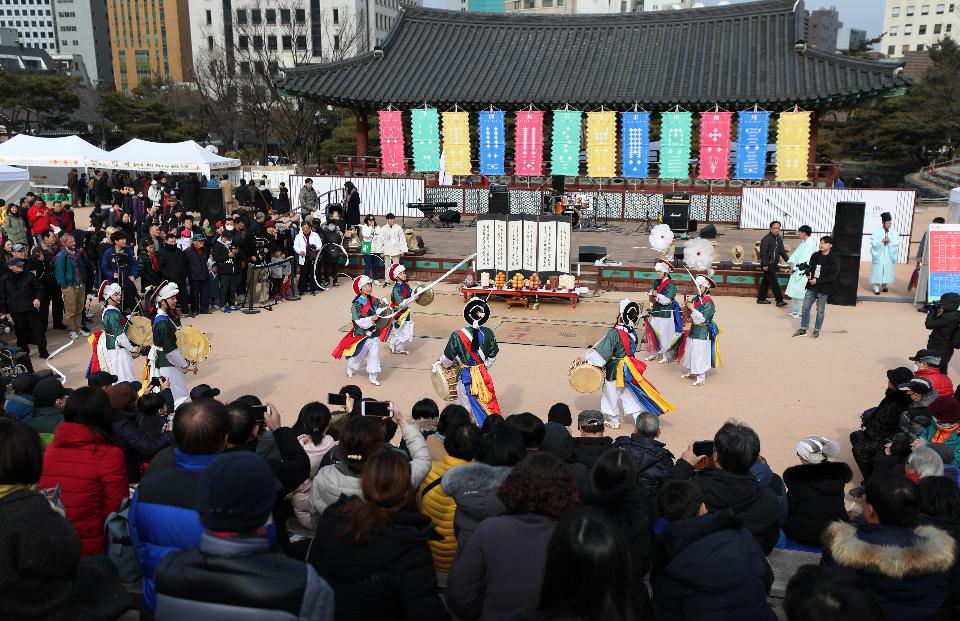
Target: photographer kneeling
[{"x": 943, "y": 321}]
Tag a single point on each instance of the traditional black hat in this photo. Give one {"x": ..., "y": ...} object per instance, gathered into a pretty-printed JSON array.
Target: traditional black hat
[
  {"x": 629, "y": 312},
  {"x": 476, "y": 312},
  {"x": 886, "y": 217}
]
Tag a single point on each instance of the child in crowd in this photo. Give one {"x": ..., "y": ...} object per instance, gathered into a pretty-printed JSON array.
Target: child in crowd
[{"x": 279, "y": 275}]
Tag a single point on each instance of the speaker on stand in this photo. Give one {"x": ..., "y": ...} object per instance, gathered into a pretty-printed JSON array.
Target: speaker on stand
[{"x": 847, "y": 241}]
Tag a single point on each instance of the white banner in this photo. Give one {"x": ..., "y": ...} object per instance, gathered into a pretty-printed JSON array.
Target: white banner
[
  {"x": 485, "y": 260},
  {"x": 378, "y": 196},
  {"x": 515, "y": 246}
]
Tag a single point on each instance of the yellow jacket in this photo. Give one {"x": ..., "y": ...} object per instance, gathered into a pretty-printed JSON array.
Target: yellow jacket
[{"x": 440, "y": 508}]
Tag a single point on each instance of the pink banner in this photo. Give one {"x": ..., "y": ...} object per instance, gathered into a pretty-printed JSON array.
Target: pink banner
[
  {"x": 715, "y": 145},
  {"x": 391, "y": 142},
  {"x": 529, "y": 143}
]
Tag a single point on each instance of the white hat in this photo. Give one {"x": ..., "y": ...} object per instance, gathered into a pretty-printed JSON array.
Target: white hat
[
  {"x": 816, "y": 449},
  {"x": 705, "y": 282},
  {"x": 167, "y": 291},
  {"x": 108, "y": 290},
  {"x": 662, "y": 265}
]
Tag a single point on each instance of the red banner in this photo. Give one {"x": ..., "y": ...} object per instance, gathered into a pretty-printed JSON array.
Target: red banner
[
  {"x": 391, "y": 141},
  {"x": 529, "y": 143},
  {"x": 715, "y": 145}
]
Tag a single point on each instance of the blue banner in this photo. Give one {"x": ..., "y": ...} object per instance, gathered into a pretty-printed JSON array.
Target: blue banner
[
  {"x": 635, "y": 144},
  {"x": 752, "y": 136},
  {"x": 492, "y": 142}
]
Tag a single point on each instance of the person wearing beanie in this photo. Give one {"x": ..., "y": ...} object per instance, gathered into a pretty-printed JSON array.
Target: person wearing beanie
[
  {"x": 916, "y": 417},
  {"x": 234, "y": 574},
  {"x": 19, "y": 404},
  {"x": 945, "y": 426},
  {"x": 884, "y": 246},
  {"x": 815, "y": 490}
]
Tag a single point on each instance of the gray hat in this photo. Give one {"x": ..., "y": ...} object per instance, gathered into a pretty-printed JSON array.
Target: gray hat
[
  {"x": 919, "y": 385},
  {"x": 926, "y": 355},
  {"x": 588, "y": 418}
]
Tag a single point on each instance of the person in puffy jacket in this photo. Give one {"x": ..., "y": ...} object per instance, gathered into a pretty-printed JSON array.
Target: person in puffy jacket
[
  {"x": 943, "y": 324},
  {"x": 312, "y": 428},
  {"x": 916, "y": 418},
  {"x": 815, "y": 490},
  {"x": 86, "y": 461},
  {"x": 140, "y": 442},
  {"x": 926, "y": 363},
  {"x": 654, "y": 461}
]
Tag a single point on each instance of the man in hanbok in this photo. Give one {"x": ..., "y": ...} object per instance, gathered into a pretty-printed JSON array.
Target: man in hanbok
[
  {"x": 797, "y": 286},
  {"x": 665, "y": 323},
  {"x": 476, "y": 349},
  {"x": 884, "y": 245},
  {"x": 401, "y": 332},
  {"x": 624, "y": 388},
  {"x": 698, "y": 350},
  {"x": 363, "y": 342},
  {"x": 166, "y": 359},
  {"x": 112, "y": 350}
]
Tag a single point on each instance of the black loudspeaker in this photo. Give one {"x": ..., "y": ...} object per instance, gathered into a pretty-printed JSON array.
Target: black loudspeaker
[
  {"x": 557, "y": 183},
  {"x": 848, "y": 228},
  {"x": 692, "y": 226},
  {"x": 500, "y": 202},
  {"x": 848, "y": 281},
  {"x": 589, "y": 254},
  {"x": 211, "y": 205},
  {"x": 709, "y": 232},
  {"x": 450, "y": 216},
  {"x": 676, "y": 212}
]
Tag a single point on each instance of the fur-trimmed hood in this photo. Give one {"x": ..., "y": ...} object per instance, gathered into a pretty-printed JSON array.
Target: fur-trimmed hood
[
  {"x": 823, "y": 477},
  {"x": 426, "y": 426},
  {"x": 476, "y": 479},
  {"x": 896, "y": 553}
]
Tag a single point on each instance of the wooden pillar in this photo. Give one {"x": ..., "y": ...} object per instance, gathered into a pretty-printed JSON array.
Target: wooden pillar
[
  {"x": 363, "y": 130},
  {"x": 814, "y": 131}
]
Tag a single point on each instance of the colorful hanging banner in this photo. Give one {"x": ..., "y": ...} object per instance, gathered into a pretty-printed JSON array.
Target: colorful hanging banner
[
  {"x": 492, "y": 142},
  {"x": 635, "y": 144},
  {"x": 715, "y": 145},
  {"x": 425, "y": 131},
  {"x": 793, "y": 146},
  {"x": 675, "y": 129},
  {"x": 565, "y": 142},
  {"x": 456, "y": 142},
  {"x": 602, "y": 144},
  {"x": 391, "y": 142},
  {"x": 752, "y": 136},
  {"x": 529, "y": 143}
]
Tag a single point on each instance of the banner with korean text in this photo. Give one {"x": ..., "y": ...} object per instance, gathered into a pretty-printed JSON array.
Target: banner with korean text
[
  {"x": 715, "y": 145},
  {"x": 602, "y": 144},
  {"x": 635, "y": 144},
  {"x": 456, "y": 142},
  {"x": 753, "y": 130},
  {"x": 529, "y": 143},
  {"x": 391, "y": 141},
  {"x": 675, "y": 130},
  {"x": 425, "y": 132},
  {"x": 491, "y": 142},
  {"x": 565, "y": 143},
  {"x": 793, "y": 146}
]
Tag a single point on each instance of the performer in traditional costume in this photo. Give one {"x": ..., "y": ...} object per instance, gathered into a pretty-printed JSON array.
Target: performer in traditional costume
[
  {"x": 665, "y": 323},
  {"x": 112, "y": 350},
  {"x": 401, "y": 331},
  {"x": 884, "y": 247},
  {"x": 797, "y": 286},
  {"x": 625, "y": 387},
  {"x": 476, "y": 348},
  {"x": 166, "y": 360},
  {"x": 363, "y": 342},
  {"x": 698, "y": 351}
]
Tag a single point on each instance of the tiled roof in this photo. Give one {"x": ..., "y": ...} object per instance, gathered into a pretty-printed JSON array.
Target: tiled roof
[{"x": 734, "y": 56}]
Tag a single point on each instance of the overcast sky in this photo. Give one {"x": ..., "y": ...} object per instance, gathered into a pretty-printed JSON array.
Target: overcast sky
[{"x": 863, "y": 14}]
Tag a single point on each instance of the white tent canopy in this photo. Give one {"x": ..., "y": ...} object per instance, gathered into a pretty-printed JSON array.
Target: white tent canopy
[
  {"x": 14, "y": 183},
  {"x": 66, "y": 152},
  {"x": 144, "y": 155}
]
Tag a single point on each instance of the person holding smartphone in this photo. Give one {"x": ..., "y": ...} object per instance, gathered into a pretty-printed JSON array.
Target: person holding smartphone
[{"x": 363, "y": 342}]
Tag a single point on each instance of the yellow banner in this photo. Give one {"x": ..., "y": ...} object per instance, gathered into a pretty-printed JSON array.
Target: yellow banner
[
  {"x": 793, "y": 146},
  {"x": 601, "y": 144},
  {"x": 456, "y": 142}
]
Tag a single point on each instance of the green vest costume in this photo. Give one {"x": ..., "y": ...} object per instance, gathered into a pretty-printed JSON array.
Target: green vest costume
[
  {"x": 113, "y": 326},
  {"x": 356, "y": 312},
  {"x": 455, "y": 349},
  {"x": 664, "y": 310},
  {"x": 164, "y": 340},
  {"x": 610, "y": 348},
  {"x": 702, "y": 332}
]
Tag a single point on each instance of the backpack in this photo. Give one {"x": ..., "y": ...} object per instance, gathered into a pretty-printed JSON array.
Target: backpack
[{"x": 120, "y": 549}]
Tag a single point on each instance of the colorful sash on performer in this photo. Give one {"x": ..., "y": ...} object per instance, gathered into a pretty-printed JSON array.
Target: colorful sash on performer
[
  {"x": 713, "y": 330},
  {"x": 653, "y": 340},
  {"x": 352, "y": 344},
  {"x": 97, "y": 362},
  {"x": 630, "y": 374},
  {"x": 477, "y": 383},
  {"x": 400, "y": 319}
]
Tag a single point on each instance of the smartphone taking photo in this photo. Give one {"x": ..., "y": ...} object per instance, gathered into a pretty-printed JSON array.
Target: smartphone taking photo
[
  {"x": 379, "y": 409},
  {"x": 335, "y": 398},
  {"x": 261, "y": 411}
]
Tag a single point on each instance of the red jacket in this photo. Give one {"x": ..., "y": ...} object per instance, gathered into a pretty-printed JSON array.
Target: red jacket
[
  {"x": 93, "y": 478},
  {"x": 941, "y": 383},
  {"x": 39, "y": 217}
]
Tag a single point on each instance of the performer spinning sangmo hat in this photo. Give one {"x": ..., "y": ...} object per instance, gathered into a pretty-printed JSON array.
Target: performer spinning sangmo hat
[
  {"x": 363, "y": 342},
  {"x": 699, "y": 350},
  {"x": 625, "y": 385},
  {"x": 476, "y": 348},
  {"x": 401, "y": 331},
  {"x": 166, "y": 359},
  {"x": 112, "y": 350},
  {"x": 665, "y": 323}
]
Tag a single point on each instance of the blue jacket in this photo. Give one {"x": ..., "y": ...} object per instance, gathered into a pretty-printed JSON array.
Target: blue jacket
[
  {"x": 107, "y": 268},
  {"x": 19, "y": 406},
  {"x": 162, "y": 517}
]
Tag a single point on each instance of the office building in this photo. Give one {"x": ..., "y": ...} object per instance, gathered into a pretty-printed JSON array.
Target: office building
[
  {"x": 857, "y": 38},
  {"x": 823, "y": 26},
  {"x": 82, "y": 31},
  {"x": 149, "y": 38},
  {"x": 34, "y": 21},
  {"x": 917, "y": 25}
]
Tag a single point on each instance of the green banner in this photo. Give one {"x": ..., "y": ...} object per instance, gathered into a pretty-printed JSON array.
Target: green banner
[
  {"x": 425, "y": 130},
  {"x": 565, "y": 143},
  {"x": 675, "y": 129}
]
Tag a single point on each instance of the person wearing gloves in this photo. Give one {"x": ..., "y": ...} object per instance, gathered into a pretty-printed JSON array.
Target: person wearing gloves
[
  {"x": 165, "y": 357},
  {"x": 699, "y": 351},
  {"x": 797, "y": 285},
  {"x": 112, "y": 350},
  {"x": 665, "y": 323},
  {"x": 363, "y": 342},
  {"x": 390, "y": 242},
  {"x": 815, "y": 490}
]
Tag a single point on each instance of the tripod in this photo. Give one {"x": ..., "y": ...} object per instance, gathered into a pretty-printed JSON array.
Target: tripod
[{"x": 646, "y": 225}]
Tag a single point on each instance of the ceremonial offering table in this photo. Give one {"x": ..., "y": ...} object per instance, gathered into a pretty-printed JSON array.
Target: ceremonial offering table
[{"x": 521, "y": 293}]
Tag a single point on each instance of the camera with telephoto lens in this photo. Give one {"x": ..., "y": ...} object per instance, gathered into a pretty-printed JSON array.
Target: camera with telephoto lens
[
  {"x": 262, "y": 246},
  {"x": 933, "y": 307},
  {"x": 803, "y": 268}
]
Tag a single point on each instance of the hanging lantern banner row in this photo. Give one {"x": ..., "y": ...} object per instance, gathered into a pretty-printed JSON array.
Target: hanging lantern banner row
[
  {"x": 456, "y": 142},
  {"x": 391, "y": 142},
  {"x": 635, "y": 144},
  {"x": 715, "y": 145},
  {"x": 793, "y": 146},
  {"x": 793, "y": 143},
  {"x": 753, "y": 130},
  {"x": 602, "y": 144},
  {"x": 529, "y": 143},
  {"x": 493, "y": 142},
  {"x": 565, "y": 151}
]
